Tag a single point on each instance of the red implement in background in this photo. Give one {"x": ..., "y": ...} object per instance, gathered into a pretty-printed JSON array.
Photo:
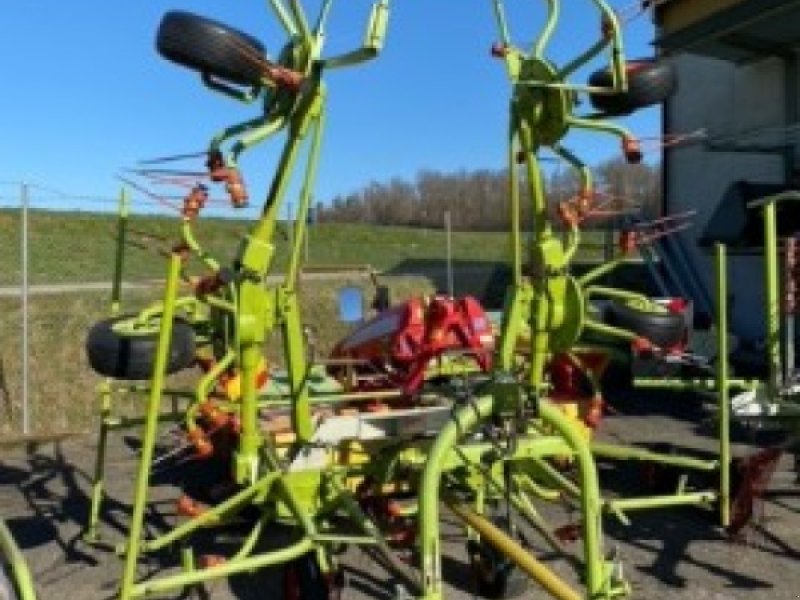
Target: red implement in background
[{"x": 401, "y": 342}]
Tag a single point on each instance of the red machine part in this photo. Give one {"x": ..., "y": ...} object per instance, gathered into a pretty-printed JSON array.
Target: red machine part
[
  {"x": 402, "y": 341},
  {"x": 572, "y": 380}
]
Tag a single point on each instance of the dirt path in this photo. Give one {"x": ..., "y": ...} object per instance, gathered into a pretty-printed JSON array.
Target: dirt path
[{"x": 678, "y": 554}]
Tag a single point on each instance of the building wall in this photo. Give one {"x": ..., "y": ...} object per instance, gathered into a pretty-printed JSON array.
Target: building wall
[{"x": 723, "y": 99}]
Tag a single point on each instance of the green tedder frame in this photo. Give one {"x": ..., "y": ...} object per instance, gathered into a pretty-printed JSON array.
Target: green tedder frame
[{"x": 498, "y": 440}]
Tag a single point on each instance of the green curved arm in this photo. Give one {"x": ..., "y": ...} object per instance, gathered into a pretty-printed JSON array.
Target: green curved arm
[
  {"x": 617, "y": 47},
  {"x": 286, "y": 20},
  {"x": 20, "y": 575},
  {"x": 373, "y": 40},
  {"x": 553, "y": 15},
  {"x": 254, "y": 137},
  {"x": 194, "y": 246},
  {"x": 502, "y": 22}
]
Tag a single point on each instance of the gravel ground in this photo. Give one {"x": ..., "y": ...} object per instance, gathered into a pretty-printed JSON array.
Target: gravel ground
[{"x": 678, "y": 554}]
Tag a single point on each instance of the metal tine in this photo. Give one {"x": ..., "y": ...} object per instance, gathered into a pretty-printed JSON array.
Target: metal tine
[
  {"x": 148, "y": 193},
  {"x": 174, "y": 158}
]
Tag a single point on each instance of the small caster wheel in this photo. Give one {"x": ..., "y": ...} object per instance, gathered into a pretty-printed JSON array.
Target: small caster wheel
[
  {"x": 496, "y": 577},
  {"x": 304, "y": 580}
]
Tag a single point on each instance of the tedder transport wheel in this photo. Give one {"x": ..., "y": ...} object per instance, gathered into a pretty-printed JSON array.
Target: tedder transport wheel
[
  {"x": 495, "y": 576},
  {"x": 649, "y": 82},
  {"x": 664, "y": 329},
  {"x": 7, "y": 591},
  {"x": 304, "y": 580},
  {"x": 116, "y": 348},
  {"x": 210, "y": 47}
]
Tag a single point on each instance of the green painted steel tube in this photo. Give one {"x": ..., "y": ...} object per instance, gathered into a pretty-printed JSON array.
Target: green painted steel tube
[
  {"x": 771, "y": 303},
  {"x": 119, "y": 259},
  {"x": 502, "y": 22},
  {"x": 283, "y": 16},
  {"x": 581, "y": 60},
  {"x": 600, "y": 126},
  {"x": 723, "y": 385},
  {"x": 553, "y": 13},
  {"x": 98, "y": 479},
  {"x": 618, "y": 51},
  {"x": 627, "y": 453},
  {"x": 301, "y": 218},
  {"x": 227, "y": 569},
  {"x": 250, "y": 439},
  {"x": 20, "y": 575},
  {"x": 558, "y": 478},
  {"x": 624, "y": 295},
  {"x": 540, "y": 573},
  {"x": 191, "y": 241},
  {"x": 213, "y": 515},
  {"x": 250, "y": 542},
  {"x": 150, "y": 430},
  {"x": 655, "y": 502},
  {"x": 600, "y": 270},
  {"x": 302, "y": 22},
  {"x": 515, "y": 240},
  {"x": 461, "y": 423}
]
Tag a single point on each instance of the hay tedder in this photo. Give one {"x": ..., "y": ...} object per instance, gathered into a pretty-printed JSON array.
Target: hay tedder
[
  {"x": 420, "y": 406},
  {"x": 426, "y": 404}
]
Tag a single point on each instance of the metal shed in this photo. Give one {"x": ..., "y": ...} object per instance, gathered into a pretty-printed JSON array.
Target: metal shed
[{"x": 738, "y": 80}]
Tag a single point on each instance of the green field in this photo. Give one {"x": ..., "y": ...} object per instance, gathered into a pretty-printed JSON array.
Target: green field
[{"x": 75, "y": 247}]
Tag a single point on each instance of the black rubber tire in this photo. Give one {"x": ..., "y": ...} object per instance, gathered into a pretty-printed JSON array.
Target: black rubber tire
[
  {"x": 663, "y": 329},
  {"x": 132, "y": 357},
  {"x": 7, "y": 588},
  {"x": 210, "y": 47},
  {"x": 311, "y": 582},
  {"x": 495, "y": 576},
  {"x": 650, "y": 82}
]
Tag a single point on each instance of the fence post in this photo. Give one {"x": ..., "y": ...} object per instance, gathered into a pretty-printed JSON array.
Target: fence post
[
  {"x": 448, "y": 230},
  {"x": 24, "y": 203}
]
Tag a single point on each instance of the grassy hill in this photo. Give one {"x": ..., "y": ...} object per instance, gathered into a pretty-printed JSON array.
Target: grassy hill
[{"x": 70, "y": 247}]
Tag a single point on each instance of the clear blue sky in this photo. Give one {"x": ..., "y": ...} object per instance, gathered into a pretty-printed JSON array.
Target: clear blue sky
[{"x": 85, "y": 94}]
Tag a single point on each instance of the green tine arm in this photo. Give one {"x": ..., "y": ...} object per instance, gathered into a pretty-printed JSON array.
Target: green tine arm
[
  {"x": 553, "y": 14},
  {"x": 373, "y": 40},
  {"x": 617, "y": 46},
  {"x": 301, "y": 21},
  {"x": 502, "y": 23},
  {"x": 322, "y": 19},
  {"x": 284, "y": 17}
]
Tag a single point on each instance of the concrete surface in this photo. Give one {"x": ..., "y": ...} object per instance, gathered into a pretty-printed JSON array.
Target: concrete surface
[{"x": 678, "y": 554}]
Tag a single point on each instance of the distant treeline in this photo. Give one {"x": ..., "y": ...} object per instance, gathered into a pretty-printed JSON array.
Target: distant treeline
[{"x": 478, "y": 200}]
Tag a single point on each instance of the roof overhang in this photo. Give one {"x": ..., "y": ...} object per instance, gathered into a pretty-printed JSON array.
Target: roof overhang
[{"x": 734, "y": 30}]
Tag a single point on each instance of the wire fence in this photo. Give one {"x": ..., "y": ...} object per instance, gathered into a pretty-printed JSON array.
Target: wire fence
[{"x": 60, "y": 255}]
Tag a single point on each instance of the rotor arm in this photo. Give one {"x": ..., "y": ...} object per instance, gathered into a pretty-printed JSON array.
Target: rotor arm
[
  {"x": 249, "y": 133},
  {"x": 502, "y": 22},
  {"x": 612, "y": 33},
  {"x": 303, "y": 29},
  {"x": 553, "y": 14},
  {"x": 374, "y": 39},
  {"x": 254, "y": 137},
  {"x": 584, "y": 198},
  {"x": 286, "y": 20},
  {"x": 631, "y": 147},
  {"x": 583, "y": 59}
]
